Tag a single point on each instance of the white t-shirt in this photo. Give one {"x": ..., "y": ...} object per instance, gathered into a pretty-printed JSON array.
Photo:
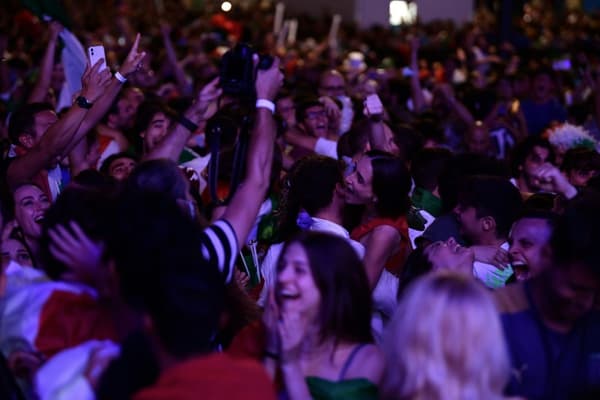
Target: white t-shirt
[{"x": 490, "y": 275}]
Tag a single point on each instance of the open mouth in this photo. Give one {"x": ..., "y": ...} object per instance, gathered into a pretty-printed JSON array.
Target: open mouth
[
  {"x": 39, "y": 219},
  {"x": 321, "y": 128},
  {"x": 288, "y": 295},
  {"x": 521, "y": 269}
]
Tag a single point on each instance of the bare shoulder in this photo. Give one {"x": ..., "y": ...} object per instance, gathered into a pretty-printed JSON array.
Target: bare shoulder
[
  {"x": 385, "y": 232},
  {"x": 368, "y": 363}
]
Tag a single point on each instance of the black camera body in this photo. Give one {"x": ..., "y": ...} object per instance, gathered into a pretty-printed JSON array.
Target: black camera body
[{"x": 237, "y": 75}]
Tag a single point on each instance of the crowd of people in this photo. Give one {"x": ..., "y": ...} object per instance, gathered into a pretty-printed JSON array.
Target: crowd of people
[{"x": 384, "y": 213}]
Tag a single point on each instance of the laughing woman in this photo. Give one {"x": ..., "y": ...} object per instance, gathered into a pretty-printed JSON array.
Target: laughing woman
[
  {"x": 318, "y": 322},
  {"x": 31, "y": 204}
]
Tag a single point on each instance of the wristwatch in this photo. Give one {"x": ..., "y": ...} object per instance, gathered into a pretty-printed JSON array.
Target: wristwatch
[{"x": 83, "y": 102}]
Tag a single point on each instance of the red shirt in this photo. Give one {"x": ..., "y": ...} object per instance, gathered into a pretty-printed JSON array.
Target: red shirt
[
  {"x": 396, "y": 261},
  {"x": 212, "y": 377}
]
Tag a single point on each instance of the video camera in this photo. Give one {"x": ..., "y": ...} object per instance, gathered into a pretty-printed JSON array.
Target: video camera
[{"x": 237, "y": 73}]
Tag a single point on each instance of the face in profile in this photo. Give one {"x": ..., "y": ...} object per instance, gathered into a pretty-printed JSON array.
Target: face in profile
[
  {"x": 580, "y": 177},
  {"x": 450, "y": 255},
  {"x": 295, "y": 289},
  {"x": 470, "y": 224},
  {"x": 359, "y": 188},
  {"x": 31, "y": 205},
  {"x": 534, "y": 160},
  {"x": 42, "y": 121}
]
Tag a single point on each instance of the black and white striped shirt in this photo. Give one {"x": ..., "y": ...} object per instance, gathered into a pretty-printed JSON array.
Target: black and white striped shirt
[{"x": 220, "y": 246}]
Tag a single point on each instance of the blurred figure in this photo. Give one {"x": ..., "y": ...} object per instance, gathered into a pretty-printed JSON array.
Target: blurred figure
[
  {"x": 478, "y": 140},
  {"x": 445, "y": 342},
  {"x": 580, "y": 165}
]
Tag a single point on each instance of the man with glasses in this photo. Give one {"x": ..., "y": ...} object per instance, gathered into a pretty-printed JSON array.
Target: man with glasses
[
  {"x": 311, "y": 133},
  {"x": 332, "y": 84}
]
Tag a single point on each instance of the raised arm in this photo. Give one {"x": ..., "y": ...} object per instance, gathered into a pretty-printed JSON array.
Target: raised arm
[
  {"x": 103, "y": 104},
  {"x": 78, "y": 149},
  {"x": 323, "y": 146},
  {"x": 172, "y": 145},
  {"x": 243, "y": 208},
  {"x": 415, "y": 83},
  {"x": 455, "y": 105},
  {"x": 60, "y": 136},
  {"x": 42, "y": 85},
  {"x": 185, "y": 86},
  {"x": 379, "y": 248},
  {"x": 373, "y": 109}
]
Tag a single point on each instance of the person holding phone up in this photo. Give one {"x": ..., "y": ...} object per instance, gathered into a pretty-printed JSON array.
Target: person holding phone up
[{"x": 42, "y": 139}]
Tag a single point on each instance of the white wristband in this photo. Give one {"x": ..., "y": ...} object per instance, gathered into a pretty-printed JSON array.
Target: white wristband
[
  {"x": 120, "y": 77},
  {"x": 326, "y": 147},
  {"x": 264, "y": 103}
]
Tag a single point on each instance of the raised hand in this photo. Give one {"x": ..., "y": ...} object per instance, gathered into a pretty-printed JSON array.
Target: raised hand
[
  {"x": 549, "y": 178},
  {"x": 210, "y": 92},
  {"x": 80, "y": 254},
  {"x": 270, "y": 318},
  {"x": 208, "y": 95},
  {"x": 292, "y": 331},
  {"x": 134, "y": 59},
  {"x": 94, "y": 82},
  {"x": 268, "y": 82},
  {"x": 165, "y": 28},
  {"x": 492, "y": 255},
  {"x": 332, "y": 109},
  {"x": 55, "y": 29},
  {"x": 241, "y": 278}
]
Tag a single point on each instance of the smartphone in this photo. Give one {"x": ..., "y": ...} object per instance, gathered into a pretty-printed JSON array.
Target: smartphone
[
  {"x": 96, "y": 53},
  {"x": 373, "y": 105}
]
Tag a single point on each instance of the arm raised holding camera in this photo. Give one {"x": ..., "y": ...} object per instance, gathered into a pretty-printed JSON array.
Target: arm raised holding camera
[{"x": 243, "y": 208}]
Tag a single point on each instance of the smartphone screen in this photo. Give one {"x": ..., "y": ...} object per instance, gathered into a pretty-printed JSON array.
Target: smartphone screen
[{"x": 96, "y": 53}]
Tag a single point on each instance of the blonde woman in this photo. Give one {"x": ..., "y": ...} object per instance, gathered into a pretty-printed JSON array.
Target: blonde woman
[{"x": 445, "y": 343}]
